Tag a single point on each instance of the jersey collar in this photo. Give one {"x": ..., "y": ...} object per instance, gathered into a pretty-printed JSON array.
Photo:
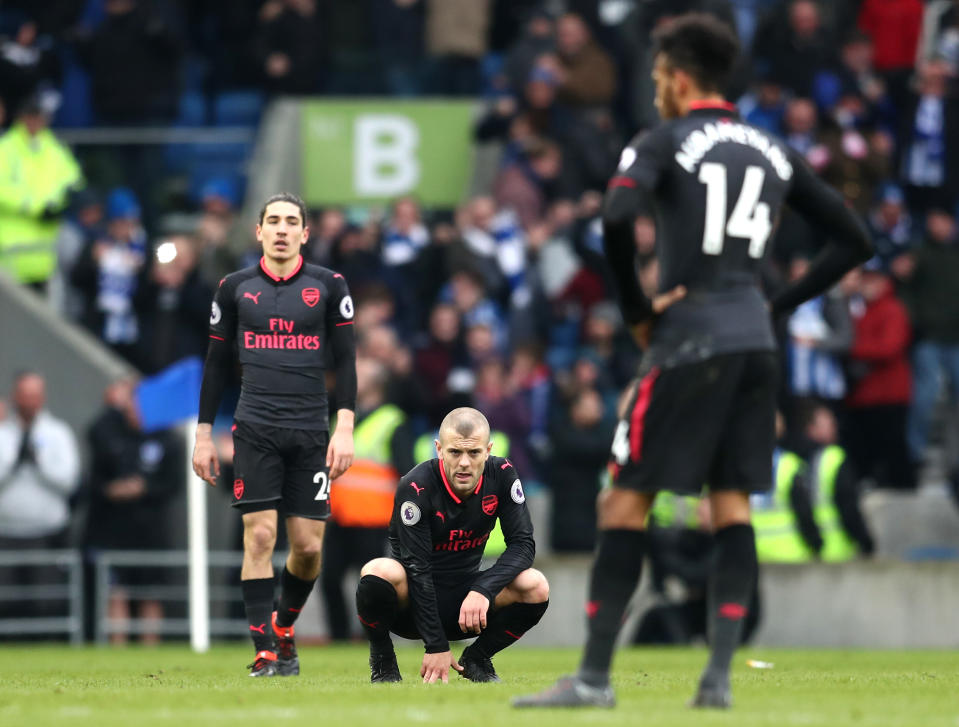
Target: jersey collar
[
  {"x": 266, "y": 271},
  {"x": 722, "y": 107},
  {"x": 450, "y": 490}
]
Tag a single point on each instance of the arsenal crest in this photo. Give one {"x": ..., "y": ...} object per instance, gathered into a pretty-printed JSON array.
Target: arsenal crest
[
  {"x": 311, "y": 296},
  {"x": 489, "y": 504},
  {"x": 238, "y": 489}
]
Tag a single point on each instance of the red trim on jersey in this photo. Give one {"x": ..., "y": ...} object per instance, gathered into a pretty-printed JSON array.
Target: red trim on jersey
[
  {"x": 622, "y": 182},
  {"x": 450, "y": 489},
  {"x": 447, "y": 483},
  {"x": 276, "y": 278},
  {"x": 216, "y": 337},
  {"x": 637, "y": 419},
  {"x": 720, "y": 105},
  {"x": 345, "y": 323}
]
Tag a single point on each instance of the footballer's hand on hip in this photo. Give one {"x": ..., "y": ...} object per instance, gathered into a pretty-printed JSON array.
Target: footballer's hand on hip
[{"x": 473, "y": 613}]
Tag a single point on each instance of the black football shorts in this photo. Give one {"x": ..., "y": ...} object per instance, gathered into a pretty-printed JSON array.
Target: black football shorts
[
  {"x": 709, "y": 423},
  {"x": 273, "y": 465}
]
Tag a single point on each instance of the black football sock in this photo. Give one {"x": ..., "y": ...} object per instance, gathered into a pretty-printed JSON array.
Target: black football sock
[
  {"x": 506, "y": 626},
  {"x": 293, "y": 594},
  {"x": 258, "y": 600},
  {"x": 616, "y": 569},
  {"x": 377, "y": 605},
  {"x": 730, "y": 591}
]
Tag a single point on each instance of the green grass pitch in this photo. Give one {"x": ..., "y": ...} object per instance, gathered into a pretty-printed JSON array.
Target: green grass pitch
[{"x": 54, "y": 685}]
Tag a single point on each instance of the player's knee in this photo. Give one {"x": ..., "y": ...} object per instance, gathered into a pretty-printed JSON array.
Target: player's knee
[
  {"x": 260, "y": 538},
  {"x": 622, "y": 509},
  {"x": 307, "y": 548},
  {"x": 538, "y": 592},
  {"x": 385, "y": 568}
]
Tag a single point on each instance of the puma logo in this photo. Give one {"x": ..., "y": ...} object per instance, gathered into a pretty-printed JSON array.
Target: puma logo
[
  {"x": 254, "y": 298},
  {"x": 417, "y": 488},
  {"x": 259, "y": 629}
]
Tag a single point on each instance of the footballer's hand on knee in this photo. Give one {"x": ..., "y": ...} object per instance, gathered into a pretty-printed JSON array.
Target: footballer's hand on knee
[
  {"x": 436, "y": 667},
  {"x": 473, "y": 613}
]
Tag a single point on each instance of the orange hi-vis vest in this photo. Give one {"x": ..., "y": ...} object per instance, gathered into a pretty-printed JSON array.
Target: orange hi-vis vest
[{"x": 362, "y": 497}]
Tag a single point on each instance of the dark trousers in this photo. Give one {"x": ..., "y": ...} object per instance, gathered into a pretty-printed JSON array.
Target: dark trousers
[
  {"x": 344, "y": 548},
  {"x": 875, "y": 439}
]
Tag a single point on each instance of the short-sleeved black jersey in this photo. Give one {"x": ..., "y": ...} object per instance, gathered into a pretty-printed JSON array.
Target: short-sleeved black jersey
[
  {"x": 281, "y": 328},
  {"x": 439, "y": 536},
  {"x": 718, "y": 185}
]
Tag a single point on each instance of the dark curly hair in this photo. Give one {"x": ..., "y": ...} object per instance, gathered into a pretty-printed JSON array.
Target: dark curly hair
[{"x": 701, "y": 45}]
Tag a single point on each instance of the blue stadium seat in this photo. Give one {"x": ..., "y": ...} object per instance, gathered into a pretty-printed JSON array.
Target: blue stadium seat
[{"x": 238, "y": 108}]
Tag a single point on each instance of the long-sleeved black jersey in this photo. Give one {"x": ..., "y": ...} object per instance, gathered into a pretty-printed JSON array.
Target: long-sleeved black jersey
[
  {"x": 281, "y": 329},
  {"x": 439, "y": 536},
  {"x": 717, "y": 185}
]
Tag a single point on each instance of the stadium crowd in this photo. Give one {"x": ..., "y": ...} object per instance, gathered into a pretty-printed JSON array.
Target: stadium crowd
[{"x": 504, "y": 302}]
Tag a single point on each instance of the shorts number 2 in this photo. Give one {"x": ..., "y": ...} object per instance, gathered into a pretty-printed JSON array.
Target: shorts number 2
[{"x": 321, "y": 479}]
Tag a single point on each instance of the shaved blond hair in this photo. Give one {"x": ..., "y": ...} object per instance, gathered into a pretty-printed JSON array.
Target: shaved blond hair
[{"x": 465, "y": 422}]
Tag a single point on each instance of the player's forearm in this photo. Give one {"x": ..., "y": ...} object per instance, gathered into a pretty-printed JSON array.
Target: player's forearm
[
  {"x": 620, "y": 249},
  {"x": 343, "y": 346},
  {"x": 517, "y": 557}
]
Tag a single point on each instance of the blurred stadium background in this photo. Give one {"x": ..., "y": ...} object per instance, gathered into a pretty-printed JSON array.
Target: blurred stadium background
[{"x": 453, "y": 154}]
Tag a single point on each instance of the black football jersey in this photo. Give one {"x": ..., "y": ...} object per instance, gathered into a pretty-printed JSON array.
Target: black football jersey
[
  {"x": 281, "y": 328},
  {"x": 437, "y": 536},
  {"x": 718, "y": 186}
]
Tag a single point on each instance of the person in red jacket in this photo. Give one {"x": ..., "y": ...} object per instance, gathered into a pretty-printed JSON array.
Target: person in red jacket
[{"x": 880, "y": 387}]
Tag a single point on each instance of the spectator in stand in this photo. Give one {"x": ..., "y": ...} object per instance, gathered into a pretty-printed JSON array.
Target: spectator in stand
[
  {"x": 112, "y": 274},
  {"x": 767, "y": 105},
  {"x": 820, "y": 334},
  {"x": 39, "y": 471},
  {"x": 324, "y": 234},
  {"x": 80, "y": 228},
  {"x": 801, "y": 124},
  {"x": 538, "y": 38},
  {"x": 855, "y": 88},
  {"x": 438, "y": 357},
  {"x": 894, "y": 27},
  {"x": 939, "y": 37},
  {"x": 398, "y": 34},
  {"x": 526, "y": 183},
  {"x": 931, "y": 274},
  {"x": 404, "y": 238},
  {"x": 581, "y": 434},
  {"x": 606, "y": 337},
  {"x": 793, "y": 44},
  {"x": 134, "y": 62},
  {"x": 175, "y": 298},
  {"x": 286, "y": 45},
  {"x": 218, "y": 230},
  {"x": 134, "y": 477},
  {"x": 456, "y": 32},
  {"x": 890, "y": 226},
  {"x": 929, "y": 140},
  {"x": 587, "y": 75},
  {"x": 355, "y": 256},
  {"x": 507, "y": 411},
  {"x": 880, "y": 387},
  {"x": 37, "y": 176},
  {"x": 28, "y": 63}
]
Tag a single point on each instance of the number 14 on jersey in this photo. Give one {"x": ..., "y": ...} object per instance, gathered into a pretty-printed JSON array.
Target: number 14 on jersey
[{"x": 750, "y": 217}]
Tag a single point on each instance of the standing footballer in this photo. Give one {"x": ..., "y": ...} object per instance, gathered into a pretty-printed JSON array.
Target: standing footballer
[
  {"x": 281, "y": 315},
  {"x": 703, "y": 408}
]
